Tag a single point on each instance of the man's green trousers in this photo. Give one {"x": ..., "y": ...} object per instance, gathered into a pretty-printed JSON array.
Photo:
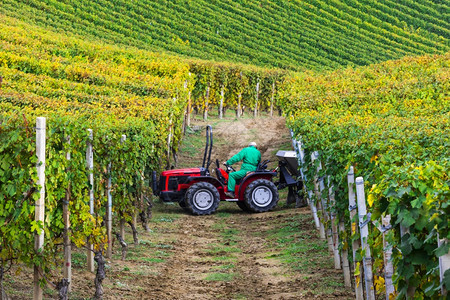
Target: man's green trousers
[{"x": 234, "y": 176}]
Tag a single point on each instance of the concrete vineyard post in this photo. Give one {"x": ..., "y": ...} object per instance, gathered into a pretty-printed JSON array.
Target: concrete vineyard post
[
  {"x": 109, "y": 214},
  {"x": 222, "y": 95},
  {"x": 40, "y": 203},
  {"x": 325, "y": 215},
  {"x": 444, "y": 264},
  {"x": 205, "y": 112},
  {"x": 239, "y": 110},
  {"x": 301, "y": 159},
  {"x": 272, "y": 98},
  {"x": 67, "y": 268},
  {"x": 364, "y": 230},
  {"x": 122, "y": 220},
  {"x": 239, "y": 107},
  {"x": 334, "y": 227},
  {"x": 301, "y": 154},
  {"x": 411, "y": 289},
  {"x": 314, "y": 156},
  {"x": 356, "y": 244},
  {"x": 344, "y": 258},
  {"x": 388, "y": 266},
  {"x": 255, "y": 112},
  {"x": 188, "y": 114},
  {"x": 90, "y": 165}
]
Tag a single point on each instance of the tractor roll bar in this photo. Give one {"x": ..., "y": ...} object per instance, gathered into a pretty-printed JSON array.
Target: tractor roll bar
[{"x": 208, "y": 146}]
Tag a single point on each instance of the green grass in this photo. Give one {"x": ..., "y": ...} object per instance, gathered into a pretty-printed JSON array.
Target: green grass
[
  {"x": 217, "y": 249},
  {"x": 168, "y": 219},
  {"x": 224, "y": 267},
  {"x": 300, "y": 249},
  {"x": 220, "y": 276},
  {"x": 224, "y": 258},
  {"x": 79, "y": 259}
]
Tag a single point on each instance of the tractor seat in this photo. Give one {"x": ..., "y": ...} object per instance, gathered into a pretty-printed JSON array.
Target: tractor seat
[
  {"x": 246, "y": 175},
  {"x": 220, "y": 176}
]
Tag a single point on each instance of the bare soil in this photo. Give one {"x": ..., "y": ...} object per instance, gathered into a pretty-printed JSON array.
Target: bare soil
[{"x": 228, "y": 255}]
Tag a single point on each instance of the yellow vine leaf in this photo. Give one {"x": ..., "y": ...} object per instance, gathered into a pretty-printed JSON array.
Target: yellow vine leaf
[{"x": 371, "y": 199}]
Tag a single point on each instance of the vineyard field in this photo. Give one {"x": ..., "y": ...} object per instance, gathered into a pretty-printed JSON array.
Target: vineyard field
[
  {"x": 391, "y": 123},
  {"x": 293, "y": 35}
]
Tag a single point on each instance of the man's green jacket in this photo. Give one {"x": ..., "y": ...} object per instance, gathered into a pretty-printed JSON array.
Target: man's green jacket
[{"x": 250, "y": 156}]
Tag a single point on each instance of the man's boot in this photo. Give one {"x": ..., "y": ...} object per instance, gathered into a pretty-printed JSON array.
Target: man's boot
[{"x": 231, "y": 194}]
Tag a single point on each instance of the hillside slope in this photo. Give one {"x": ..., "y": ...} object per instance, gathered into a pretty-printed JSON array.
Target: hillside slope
[{"x": 288, "y": 34}]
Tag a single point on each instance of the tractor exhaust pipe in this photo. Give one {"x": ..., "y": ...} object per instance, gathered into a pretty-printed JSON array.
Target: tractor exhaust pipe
[{"x": 208, "y": 146}]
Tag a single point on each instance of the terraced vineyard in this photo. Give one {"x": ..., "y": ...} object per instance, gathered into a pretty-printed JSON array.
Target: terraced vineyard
[
  {"x": 132, "y": 72},
  {"x": 287, "y": 34}
]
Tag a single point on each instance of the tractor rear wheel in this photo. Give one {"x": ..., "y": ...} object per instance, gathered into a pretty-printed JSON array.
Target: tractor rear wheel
[
  {"x": 202, "y": 198},
  {"x": 261, "y": 195}
]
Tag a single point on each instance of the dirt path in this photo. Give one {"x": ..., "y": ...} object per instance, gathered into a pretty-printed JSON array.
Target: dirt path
[
  {"x": 231, "y": 135},
  {"x": 228, "y": 255}
]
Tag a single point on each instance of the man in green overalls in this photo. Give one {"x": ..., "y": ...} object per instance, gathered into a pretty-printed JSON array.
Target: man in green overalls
[{"x": 250, "y": 157}]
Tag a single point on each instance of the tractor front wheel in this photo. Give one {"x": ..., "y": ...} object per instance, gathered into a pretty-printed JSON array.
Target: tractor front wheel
[
  {"x": 261, "y": 195},
  {"x": 202, "y": 198}
]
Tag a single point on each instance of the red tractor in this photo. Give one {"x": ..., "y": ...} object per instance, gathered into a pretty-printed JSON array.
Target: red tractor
[{"x": 200, "y": 193}]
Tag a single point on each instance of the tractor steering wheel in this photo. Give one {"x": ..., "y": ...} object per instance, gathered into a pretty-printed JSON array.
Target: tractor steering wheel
[{"x": 229, "y": 168}]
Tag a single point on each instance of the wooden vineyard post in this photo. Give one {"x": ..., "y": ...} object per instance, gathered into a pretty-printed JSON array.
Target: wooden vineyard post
[
  {"x": 444, "y": 264},
  {"x": 67, "y": 268},
  {"x": 122, "y": 220},
  {"x": 356, "y": 244},
  {"x": 334, "y": 227},
  {"x": 364, "y": 220},
  {"x": 314, "y": 156},
  {"x": 90, "y": 165},
  {"x": 388, "y": 266},
  {"x": 109, "y": 214},
  {"x": 255, "y": 112},
  {"x": 344, "y": 258},
  {"x": 272, "y": 98},
  {"x": 40, "y": 203},
  {"x": 222, "y": 95}
]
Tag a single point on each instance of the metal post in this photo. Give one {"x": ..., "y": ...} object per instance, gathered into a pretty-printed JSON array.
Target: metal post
[
  {"x": 40, "y": 203},
  {"x": 364, "y": 230}
]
